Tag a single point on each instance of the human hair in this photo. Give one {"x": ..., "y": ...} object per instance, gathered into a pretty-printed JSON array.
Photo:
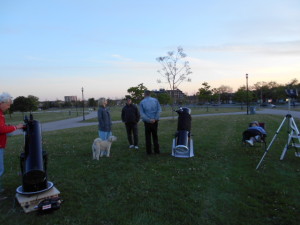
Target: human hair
[
  {"x": 147, "y": 93},
  {"x": 101, "y": 101},
  {"x": 5, "y": 97},
  {"x": 255, "y": 123}
]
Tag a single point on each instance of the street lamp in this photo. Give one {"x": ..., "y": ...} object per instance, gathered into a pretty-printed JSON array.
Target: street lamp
[
  {"x": 83, "y": 117},
  {"x": 247, "y": 94}
]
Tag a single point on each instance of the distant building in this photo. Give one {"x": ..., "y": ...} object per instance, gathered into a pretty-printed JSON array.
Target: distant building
[
  {"x": 160, "y": 91},
  {"x": 177, "y": 94},
  {"x": 70, "y": 98}
]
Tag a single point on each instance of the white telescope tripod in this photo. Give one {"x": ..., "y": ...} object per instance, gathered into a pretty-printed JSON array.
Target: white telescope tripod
[{"x": 293, "y": 134}]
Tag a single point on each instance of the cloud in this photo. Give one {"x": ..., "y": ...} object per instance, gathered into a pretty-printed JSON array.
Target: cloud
[{"x": 121, "y": 58}]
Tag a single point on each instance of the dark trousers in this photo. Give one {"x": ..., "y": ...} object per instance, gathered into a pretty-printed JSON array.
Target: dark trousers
[
  {"x": 132, "y": 131},
  {"x": 250, "y": 133},
  {"x": 151, "y": 131}
]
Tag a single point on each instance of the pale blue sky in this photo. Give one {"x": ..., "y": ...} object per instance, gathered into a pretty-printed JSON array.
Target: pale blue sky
[{"x": 51, "y": 49}]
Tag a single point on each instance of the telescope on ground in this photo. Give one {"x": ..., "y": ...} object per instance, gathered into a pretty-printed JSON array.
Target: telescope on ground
[{"x": 183, "y": 143}]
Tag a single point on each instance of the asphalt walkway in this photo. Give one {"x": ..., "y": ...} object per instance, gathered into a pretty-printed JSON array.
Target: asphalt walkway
[{"x": 78, "y": 121}]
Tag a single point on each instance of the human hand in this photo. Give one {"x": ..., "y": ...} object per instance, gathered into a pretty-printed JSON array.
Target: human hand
[
  {"x": 20, "y": 126},
  {"x": 152, "y": 120}
]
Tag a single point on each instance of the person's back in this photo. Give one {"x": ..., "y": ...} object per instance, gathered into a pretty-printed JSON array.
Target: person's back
[{"x": 150, "y": 109}]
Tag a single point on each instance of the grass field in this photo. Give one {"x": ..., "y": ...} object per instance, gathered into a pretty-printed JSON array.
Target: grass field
[
  {"x": 44, "y": 116},
  {"x": 49, "y": 116},
  {"x": 54, "y": 115},
  {"x": 218, "y": 186}
]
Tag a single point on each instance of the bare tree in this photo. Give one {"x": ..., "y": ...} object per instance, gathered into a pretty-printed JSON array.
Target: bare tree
[
  {"x": 224, "y": 93},
  {"x": 174, "y": 70}
]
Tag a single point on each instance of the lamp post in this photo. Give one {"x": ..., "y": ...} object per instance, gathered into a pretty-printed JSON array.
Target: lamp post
[
  {"x": 261, "y": 98},
  {"x": 83, "y": 117},
  {"x": 247, "y": 94},
  {"x": 76, "y": 107}
]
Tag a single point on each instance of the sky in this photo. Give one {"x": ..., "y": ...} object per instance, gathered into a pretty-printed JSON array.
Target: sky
[{"x": 54, "y": 48}]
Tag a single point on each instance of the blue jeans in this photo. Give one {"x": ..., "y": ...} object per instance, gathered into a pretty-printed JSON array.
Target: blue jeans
[
  {"x": 104, "y": 134},
  {"x": 1, "y": 162}
]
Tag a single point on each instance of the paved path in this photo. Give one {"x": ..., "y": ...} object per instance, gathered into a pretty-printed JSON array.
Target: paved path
[
  {"x": 78, "y": 122},
  {"x": 295, "y": 114}
]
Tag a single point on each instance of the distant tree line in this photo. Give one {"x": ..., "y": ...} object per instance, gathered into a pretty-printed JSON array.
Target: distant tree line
[
  {"x": 25, "y": 104},
  {"x": 260, "y": 92},
  {"x": 266, "y": 92}
]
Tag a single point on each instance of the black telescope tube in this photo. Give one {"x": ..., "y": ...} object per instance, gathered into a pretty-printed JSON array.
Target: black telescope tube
[
  {"x": 32, "y": 161},
  {"x": 183, "y": 126}
]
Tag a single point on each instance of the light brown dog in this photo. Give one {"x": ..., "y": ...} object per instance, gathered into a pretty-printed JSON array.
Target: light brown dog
[{"x": 101, "y": 148}]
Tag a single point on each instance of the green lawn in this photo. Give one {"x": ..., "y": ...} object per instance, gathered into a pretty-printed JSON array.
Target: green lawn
[
  {"x": 49, "y": 116},
  {"x": 43, "y": 116},
  {"x": 167, "y": 111},
  {"x": 218, "y": 186}
]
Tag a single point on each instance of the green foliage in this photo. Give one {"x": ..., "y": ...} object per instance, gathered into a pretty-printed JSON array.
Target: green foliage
[
  {"x": 23, "y": 104},
  {"x": 164, "y": 98},
  {"x": 137, "y": 93},
  {"x": 218, "y": 186},
  {"x": 92, "y": 102},
  {"x": 204, "y": 94},
  {"x": 46, "y": 105},
  {"x": 20, "y": 104},
  {"x": 241, "y": 95},
  {"x": 33, "y": 103},
  {"x": 259, "y": 92}
]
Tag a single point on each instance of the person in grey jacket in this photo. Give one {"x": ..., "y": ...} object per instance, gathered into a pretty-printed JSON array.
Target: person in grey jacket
[
  {"x": 104, "y": 120},
  {"x": 130, "y": 116},
  {"x": 150, "y": 112}
]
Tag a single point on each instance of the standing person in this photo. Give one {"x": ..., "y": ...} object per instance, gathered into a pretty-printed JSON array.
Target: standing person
[
  {"x": 104, "y": 120},
  {"x": 5, "y": 102},
  {"x": 131, "y": 116},
  {"x": 150, "y": 111}
]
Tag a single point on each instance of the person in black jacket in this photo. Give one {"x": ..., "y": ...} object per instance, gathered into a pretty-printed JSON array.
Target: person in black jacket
[{"x": 131, "y": 116}]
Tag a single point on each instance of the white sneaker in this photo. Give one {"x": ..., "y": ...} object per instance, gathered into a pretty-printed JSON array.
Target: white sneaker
[
  {"x": 131, "y": 146},
  {"x": 136, "y": 147},
  {"x": 250, "y": 142}
]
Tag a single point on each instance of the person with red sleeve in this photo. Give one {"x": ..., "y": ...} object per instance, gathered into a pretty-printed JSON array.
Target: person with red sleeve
[{"x": 5, "y": 103}]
